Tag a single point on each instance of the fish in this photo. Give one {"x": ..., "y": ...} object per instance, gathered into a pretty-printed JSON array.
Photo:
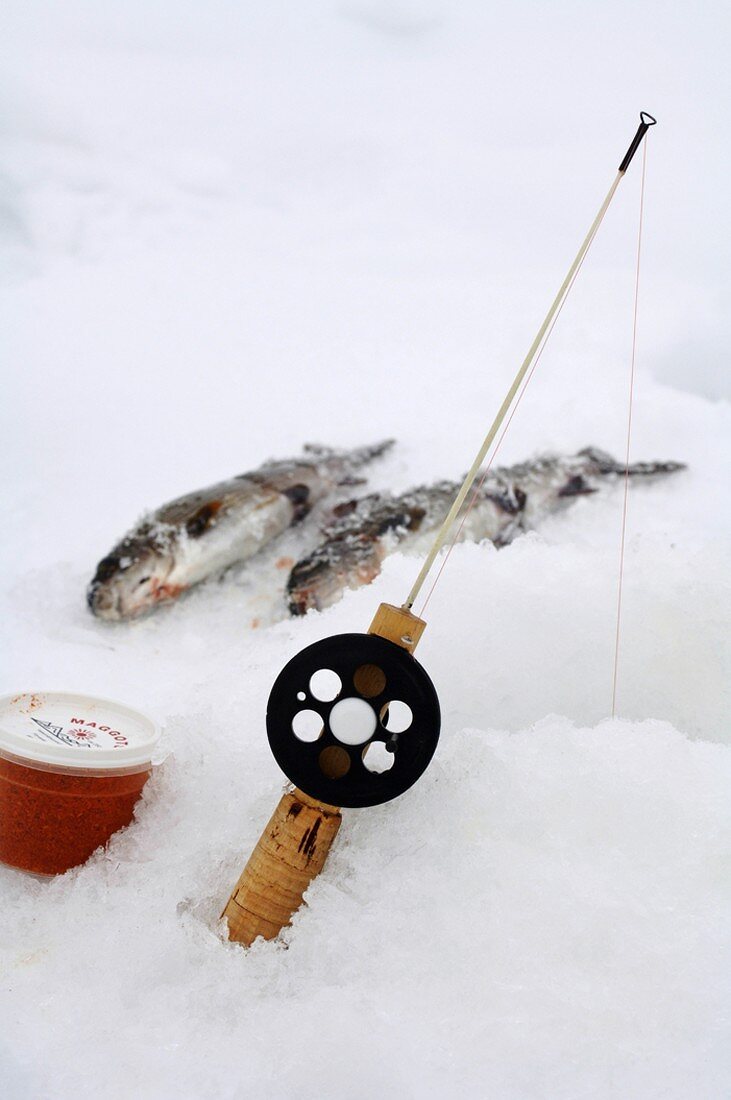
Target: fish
[
  {"x": 359, "y": 533},
  {"x": 205, "y": 532}
]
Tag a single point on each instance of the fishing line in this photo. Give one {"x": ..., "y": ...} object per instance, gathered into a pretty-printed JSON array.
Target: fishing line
[
  {"x": 623, "y": 534},
  {"x": 646, "y": 121}
]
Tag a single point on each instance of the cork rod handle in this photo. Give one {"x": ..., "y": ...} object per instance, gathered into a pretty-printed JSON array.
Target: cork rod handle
[
  {"x": 290, "y": 852},
  {"x": 295, "y": 844}
]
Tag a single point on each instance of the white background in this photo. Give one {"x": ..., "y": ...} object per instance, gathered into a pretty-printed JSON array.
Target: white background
[{"x": 228, "y": 229}]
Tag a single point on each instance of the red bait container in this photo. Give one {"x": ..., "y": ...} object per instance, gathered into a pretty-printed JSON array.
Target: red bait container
[{"x": 71, "y": 770}]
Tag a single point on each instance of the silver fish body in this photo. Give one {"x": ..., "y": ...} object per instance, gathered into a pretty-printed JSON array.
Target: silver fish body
[
  {"x": 205, "y": 532},
  {"x": 358, "y": 534}
]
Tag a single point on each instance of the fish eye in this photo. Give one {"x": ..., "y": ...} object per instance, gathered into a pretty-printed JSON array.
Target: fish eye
[{"x": 143, "y": 580}]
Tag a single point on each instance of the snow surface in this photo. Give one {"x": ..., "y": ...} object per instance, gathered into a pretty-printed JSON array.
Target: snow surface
[{"x": 227, "y": 230}]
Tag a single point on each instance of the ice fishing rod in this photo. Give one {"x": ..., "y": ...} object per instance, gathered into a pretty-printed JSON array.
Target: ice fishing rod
[{"x": 354, "y": 720}]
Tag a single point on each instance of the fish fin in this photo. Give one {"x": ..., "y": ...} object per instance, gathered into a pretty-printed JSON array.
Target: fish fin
[
  {"x": 318, "y": 450},
  {"x": 604, "y": 462},
  {"x": 299, "y": 497},
  {"x": 202, "y": 519},
  {"x": 509, "y": 533},
  {"x": 576, "y": 486}
]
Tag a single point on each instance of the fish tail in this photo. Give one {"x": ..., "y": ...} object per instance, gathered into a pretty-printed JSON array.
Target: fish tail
[
  {"x": 605, "y": 464},
  {"x": 343, "y": 464},
  {"x": 655, "y": 469},
  {"x": 360, "y": 456}
]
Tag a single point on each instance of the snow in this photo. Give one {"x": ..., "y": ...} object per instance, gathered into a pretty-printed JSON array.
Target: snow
[{"x": 226, "y": 232}]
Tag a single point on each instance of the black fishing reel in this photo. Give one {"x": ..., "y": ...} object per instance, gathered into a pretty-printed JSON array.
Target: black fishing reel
[{"x": 353, "y": 720}]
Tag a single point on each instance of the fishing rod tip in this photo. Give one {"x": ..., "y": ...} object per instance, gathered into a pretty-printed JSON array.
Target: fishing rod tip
[{"x": 646, "y": 121}]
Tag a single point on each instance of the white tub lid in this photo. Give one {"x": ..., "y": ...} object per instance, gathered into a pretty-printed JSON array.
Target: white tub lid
[{"x": 81, "y": 732}]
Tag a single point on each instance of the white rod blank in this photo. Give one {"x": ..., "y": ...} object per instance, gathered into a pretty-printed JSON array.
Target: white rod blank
[{"x": 502, "y": 412}]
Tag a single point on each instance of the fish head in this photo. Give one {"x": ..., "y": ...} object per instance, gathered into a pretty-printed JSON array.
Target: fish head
[
  {"x": 132, "y": 580},
  {"x": 314, "y": 583},
  {"x": 318, "y": 581}
]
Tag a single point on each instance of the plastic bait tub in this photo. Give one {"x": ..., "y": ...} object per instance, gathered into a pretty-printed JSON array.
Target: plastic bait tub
[{"x": 72, "y": 768}]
